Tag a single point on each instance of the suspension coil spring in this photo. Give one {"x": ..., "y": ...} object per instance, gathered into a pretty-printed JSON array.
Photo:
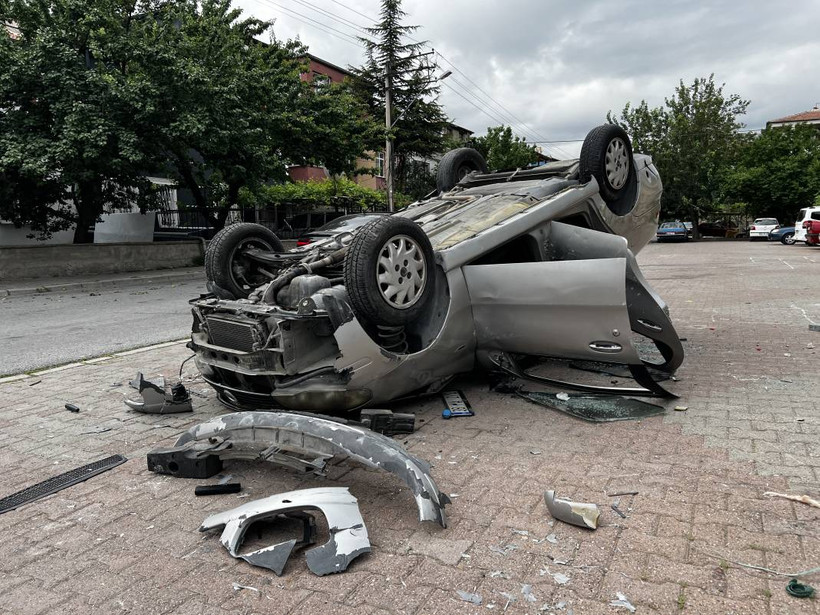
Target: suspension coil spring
[{"x": 393, "y": 338}]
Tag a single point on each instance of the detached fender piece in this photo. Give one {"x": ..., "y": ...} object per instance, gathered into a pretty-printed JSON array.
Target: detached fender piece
[
  {"x": 300, "y": 440},
  {"x": 348, "y": 534}
]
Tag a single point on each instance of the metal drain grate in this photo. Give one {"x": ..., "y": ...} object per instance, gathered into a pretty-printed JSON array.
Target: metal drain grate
[{"x": 59, "y": 482}]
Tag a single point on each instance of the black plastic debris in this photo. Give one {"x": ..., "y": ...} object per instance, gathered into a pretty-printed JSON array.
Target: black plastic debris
[
  {"x": 594, "y": 408},
  {"x": 72, "y": 408},
  {"x": 218, "y": 489},
  {"x": 387, "y": 422},
  {"x": 59, "y": 482}
]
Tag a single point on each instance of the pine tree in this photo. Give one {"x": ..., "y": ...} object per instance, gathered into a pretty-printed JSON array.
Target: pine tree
[{"x": 418, "y": 131}]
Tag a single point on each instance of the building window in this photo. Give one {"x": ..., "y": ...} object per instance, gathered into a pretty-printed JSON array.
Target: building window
[{"x": 380, "y": 164}]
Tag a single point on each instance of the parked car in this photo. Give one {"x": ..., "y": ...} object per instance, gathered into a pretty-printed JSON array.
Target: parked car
[
  {"x": 495, "y": 268},
  {"x": 720, "y": 228},
  {"x": 804, "y": 215},
  {"x": 689, "y": 227},
  {"x": 342, "y": 224},
  {"x": 761, "y": 228},
  {"x": 672, "y": 231},
  {"x": 783, "y": 234}
]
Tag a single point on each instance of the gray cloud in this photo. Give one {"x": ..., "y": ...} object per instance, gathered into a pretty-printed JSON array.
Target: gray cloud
[{"x": 560, "y": 65}]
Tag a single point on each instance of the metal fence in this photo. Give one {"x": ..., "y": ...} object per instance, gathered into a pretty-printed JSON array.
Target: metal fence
[{"x": 288, "y": 220}]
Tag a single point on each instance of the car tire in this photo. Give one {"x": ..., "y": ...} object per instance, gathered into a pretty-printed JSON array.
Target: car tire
[
  {"x": 375, "y": 266},
  {"x": 456, "y": 164},
  {"x": 787, "y": 239},
  {"x": 227, "y": 269},
  {"x": 606, "y": 155}
]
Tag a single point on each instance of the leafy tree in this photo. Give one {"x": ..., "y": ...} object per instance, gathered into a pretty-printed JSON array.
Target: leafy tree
[
  {"x": 777, "y": 172},
  {"x": 71, "y": 114},
  {"x": 503, "y": 151},
  {"x": 693, "y": 140},
  {"x": 97, "y": 94},
  {"x": 232, "y": 112},
  {"x": 419, "y": 119}
]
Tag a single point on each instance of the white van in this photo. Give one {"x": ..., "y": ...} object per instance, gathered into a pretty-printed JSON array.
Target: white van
[{"x": 807, "y": 213}]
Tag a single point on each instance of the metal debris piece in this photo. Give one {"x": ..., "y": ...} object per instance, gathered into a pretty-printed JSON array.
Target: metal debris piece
[
  {"x": 36, "y": 382},
  {"x": 618, "y": 493},
  {"x": 618, "y": 510},
  {"x": 348, "y": 534},
  {"x": 595, "y": 408},
  {"x": 298, "y": 440},
  {"x": 622, "y": 602},
  {"x": 59, "y": 482},
  {"x": 552, "y": 539},
  {"x": 457, "y": 405},
  {"x": 155, "y": 398},
  {"x": 803, "y": 499},
  {"x": 535, "y": 452},
  {"x": 575, "y": 513},
  {"x": 468, "y": 597},
  {"x": 527, "y": 591},
  {"x": 237, "y": 587},
  {"x": 388, "y": 422}
]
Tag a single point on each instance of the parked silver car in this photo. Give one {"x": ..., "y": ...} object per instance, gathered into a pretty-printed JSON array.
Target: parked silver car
[{"x": 492, "y": 268}]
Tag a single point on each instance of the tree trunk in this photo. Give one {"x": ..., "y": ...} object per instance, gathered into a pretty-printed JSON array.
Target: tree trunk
[
  {"x": 88, "y": 201},
  {"x": 200, "y": 199}
]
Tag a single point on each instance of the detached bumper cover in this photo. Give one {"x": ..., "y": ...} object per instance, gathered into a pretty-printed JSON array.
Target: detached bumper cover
[{"x": 300, "y": 441}]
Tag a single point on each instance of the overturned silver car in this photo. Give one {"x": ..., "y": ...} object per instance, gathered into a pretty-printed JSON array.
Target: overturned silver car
[{"x": 492, "y": 268}]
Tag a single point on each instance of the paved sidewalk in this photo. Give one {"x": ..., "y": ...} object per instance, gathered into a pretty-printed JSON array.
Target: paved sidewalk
[
  {"x": 95, "y": 282},
  {"x": 127, "y": 541}
]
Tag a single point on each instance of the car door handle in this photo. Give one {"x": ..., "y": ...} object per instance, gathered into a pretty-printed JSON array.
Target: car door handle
[{"x": 607, "y": 347}]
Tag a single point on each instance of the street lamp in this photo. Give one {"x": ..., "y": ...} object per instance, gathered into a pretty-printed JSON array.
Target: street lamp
[{"x": 388, "y": 146}]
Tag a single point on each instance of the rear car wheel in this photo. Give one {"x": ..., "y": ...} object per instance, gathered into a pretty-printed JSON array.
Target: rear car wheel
[
  {"x": 606, "y": 155},
  {"x": 228, "y": 268},
  {"x": 787, "y": 239},
  {"x": 456, "y": 164},
  {"x": 388, "y": 271}
]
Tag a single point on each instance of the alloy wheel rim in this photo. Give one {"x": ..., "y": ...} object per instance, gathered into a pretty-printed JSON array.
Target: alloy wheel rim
[
  {"x": 401, "y": 272},
  {"x": 617, "y": 163}
]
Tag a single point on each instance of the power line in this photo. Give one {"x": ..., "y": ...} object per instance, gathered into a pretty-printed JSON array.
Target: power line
[
  {"x": 323, "y": 26},
  {"x": 484, "y": 111}
]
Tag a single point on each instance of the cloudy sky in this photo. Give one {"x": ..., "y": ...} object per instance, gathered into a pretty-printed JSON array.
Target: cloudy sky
[{"x": 553, "y": 68}]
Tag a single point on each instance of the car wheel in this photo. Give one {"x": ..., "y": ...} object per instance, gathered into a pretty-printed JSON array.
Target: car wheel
[
  {"x": 388, "y": 271},
  {"x": 606, "y": 155},
  {"x": 456, "y": 164},
  {"x": 228, "y": 268},
  {"x": 787, "y": 239}
]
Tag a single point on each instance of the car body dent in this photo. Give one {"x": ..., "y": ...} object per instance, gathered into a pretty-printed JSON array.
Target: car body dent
[
  {"x": 347, "y": 532},
  {"x": 305, "y": 441}
]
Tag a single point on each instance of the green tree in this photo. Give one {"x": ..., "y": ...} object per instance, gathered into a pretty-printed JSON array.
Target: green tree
[
  {"x": 777, "y": 172},
  {"x": 504, "y": 151},
  {"x": 693, "y": 139},
  {"x": 419, "y": 119},
  {"x": 232, "y": 111},
  {"x": 71, "y": 114}
]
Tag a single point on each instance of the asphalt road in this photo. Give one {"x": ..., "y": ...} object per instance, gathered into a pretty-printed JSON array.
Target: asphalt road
[{"x": 47, "y": 329}]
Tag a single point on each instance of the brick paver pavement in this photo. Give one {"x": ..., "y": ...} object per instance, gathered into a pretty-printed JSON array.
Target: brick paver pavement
[{"x": 127, "y": 541}]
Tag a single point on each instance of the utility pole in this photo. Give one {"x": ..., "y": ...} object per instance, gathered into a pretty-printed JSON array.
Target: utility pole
[{"x": 388, "y": 146}]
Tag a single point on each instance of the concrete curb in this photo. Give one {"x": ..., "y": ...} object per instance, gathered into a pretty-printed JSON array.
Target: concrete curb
[{"x": 89, "y": 285}]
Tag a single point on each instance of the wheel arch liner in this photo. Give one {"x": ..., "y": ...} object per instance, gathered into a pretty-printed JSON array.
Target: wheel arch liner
[{"x": 271, "y": 436}]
